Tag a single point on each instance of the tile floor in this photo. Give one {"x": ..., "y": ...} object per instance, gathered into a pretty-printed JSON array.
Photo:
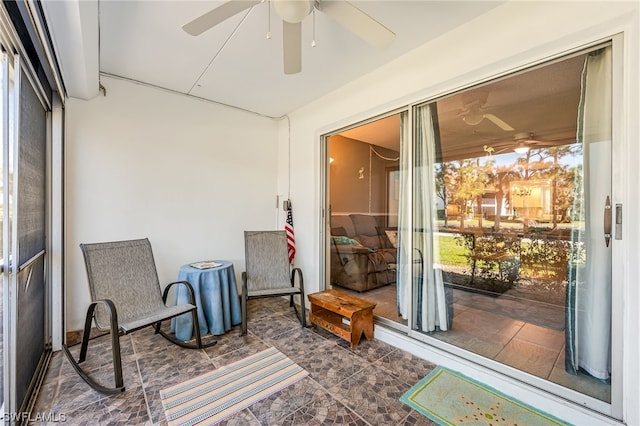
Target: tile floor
[
  {"x": 345, "y": 386},
  {"x": 519, "y": 332},
  {"x": 524, "y": 334}
]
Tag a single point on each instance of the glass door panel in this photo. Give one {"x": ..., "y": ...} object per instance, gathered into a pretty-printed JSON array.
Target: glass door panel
[
  {"x": 30, "y": 240},
  {"x": 7, "y": 103},
  {"x": 3, "y": 216},
  {"x": 363, "y": 174},
  {"x": 24, "y": 137},
  {"x": 509, "y": 259}
]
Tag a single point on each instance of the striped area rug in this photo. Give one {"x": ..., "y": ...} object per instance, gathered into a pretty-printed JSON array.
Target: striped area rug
[{"x": 212, "y": 397}]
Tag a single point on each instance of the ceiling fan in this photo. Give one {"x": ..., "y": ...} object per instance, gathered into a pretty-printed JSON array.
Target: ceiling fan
[
  {"x": 292, "y": 13},
  {"x": 523, "y": 141},
  {"x": 472, "y": 110}
]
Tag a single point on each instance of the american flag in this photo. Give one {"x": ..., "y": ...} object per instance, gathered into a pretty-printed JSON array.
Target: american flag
[{"x": 288, "y": 227}]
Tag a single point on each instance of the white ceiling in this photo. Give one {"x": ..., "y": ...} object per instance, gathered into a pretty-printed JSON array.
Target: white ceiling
[
  {"x": 384, "y": 132},
  {"x": 234, "y": 63}
]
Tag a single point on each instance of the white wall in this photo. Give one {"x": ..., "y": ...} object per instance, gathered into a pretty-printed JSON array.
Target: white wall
[
  {"x": 507, "y": 38},
  {"x": 189, "y": 175}
]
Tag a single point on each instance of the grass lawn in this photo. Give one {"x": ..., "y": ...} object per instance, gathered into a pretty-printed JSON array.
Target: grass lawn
[{"x": 450, "y": 252}]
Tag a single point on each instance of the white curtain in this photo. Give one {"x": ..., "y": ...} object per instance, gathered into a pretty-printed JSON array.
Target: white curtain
[
  {"x": 403, "y": 271},
  {"x": 589, "y": 295},
  {"x": 418, "y": 262}
]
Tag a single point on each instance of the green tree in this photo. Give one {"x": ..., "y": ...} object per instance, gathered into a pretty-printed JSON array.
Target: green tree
[
  {"x": 502, "y": 177},
  {"x": 466, "y": 181},
  {"x": 441, "y": 170}
]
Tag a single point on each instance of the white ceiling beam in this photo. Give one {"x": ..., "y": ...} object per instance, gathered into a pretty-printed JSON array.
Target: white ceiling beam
[{"x": 74, "y": 27}]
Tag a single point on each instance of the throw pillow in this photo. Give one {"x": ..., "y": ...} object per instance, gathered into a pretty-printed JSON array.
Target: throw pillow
[
  {"x": 341, "y": 239},
  {"x": 393, "y": 236}
]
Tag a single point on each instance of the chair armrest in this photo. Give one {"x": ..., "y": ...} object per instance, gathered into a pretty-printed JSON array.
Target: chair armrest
[
  {"x": 192, "y": 295},
  {"x": 112, "y": 311},
  {"x": 244, "y": 284},
  {"x": 298, "y": 272},
  {"x": 115, "y": 334},
  {"x": 376, "y": 262}
]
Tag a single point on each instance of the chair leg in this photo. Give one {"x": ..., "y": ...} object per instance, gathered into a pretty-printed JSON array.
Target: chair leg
[
  {"x": 196, "y": 327},
  {"x": 244, "y": 313},
  {"x": 115, "y": 349},
  {"x": 303, "y": 308},
  {"x": 303, "y": 314},
  {"x": 194, "y": 313},
  {"x": 86, "y": 333}
]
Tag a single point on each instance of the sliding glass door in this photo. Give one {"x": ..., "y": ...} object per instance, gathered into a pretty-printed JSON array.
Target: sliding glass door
[
  {"x": 500, "y": 201},
  {"x": 5, "y": 220},
  {"x": 511, "y": 229},
  {"x": 25, "y": 339},
  {"x": 29, "y": 242},
  {"x": 31, "y": 97}
]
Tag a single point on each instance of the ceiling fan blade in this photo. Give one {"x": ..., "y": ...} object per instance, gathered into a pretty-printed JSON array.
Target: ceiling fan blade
[
  {"x": 358, "y": 22},
  {"x": 498, "y": 122},
  {"x": 536, "y": 143},
  {"x": 501, "y": 150},
  {"x": 217, "y": 15},
  {"x": 292, "y": 47}
]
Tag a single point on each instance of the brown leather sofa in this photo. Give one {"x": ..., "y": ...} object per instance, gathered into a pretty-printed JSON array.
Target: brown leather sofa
[{"x": 362, "y": 255}]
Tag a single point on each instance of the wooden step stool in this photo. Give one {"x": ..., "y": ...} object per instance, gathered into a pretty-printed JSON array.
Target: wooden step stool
[{"x": 344, "y": 315}]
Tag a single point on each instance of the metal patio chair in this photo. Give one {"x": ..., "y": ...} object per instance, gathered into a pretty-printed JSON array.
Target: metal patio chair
[
  {"x": 126, "y": 296},
  {"x": 268, "y": 272}
]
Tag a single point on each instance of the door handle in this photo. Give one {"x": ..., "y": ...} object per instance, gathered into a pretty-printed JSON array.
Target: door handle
[{"x": 607, "y": 221}]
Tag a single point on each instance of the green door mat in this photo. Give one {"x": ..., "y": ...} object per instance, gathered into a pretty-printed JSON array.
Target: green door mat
[{"x": 451, "y": 398}]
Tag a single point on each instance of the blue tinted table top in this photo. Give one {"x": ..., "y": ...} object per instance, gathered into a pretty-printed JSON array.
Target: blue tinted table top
[{"x": 216, "y": 297}]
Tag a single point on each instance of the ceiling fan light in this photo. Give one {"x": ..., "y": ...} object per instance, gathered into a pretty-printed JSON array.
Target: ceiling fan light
[
  {"x": 293, "y": 11},
  {"x": 521, "y": 149},
  {"x": 473, "y": 117}
]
